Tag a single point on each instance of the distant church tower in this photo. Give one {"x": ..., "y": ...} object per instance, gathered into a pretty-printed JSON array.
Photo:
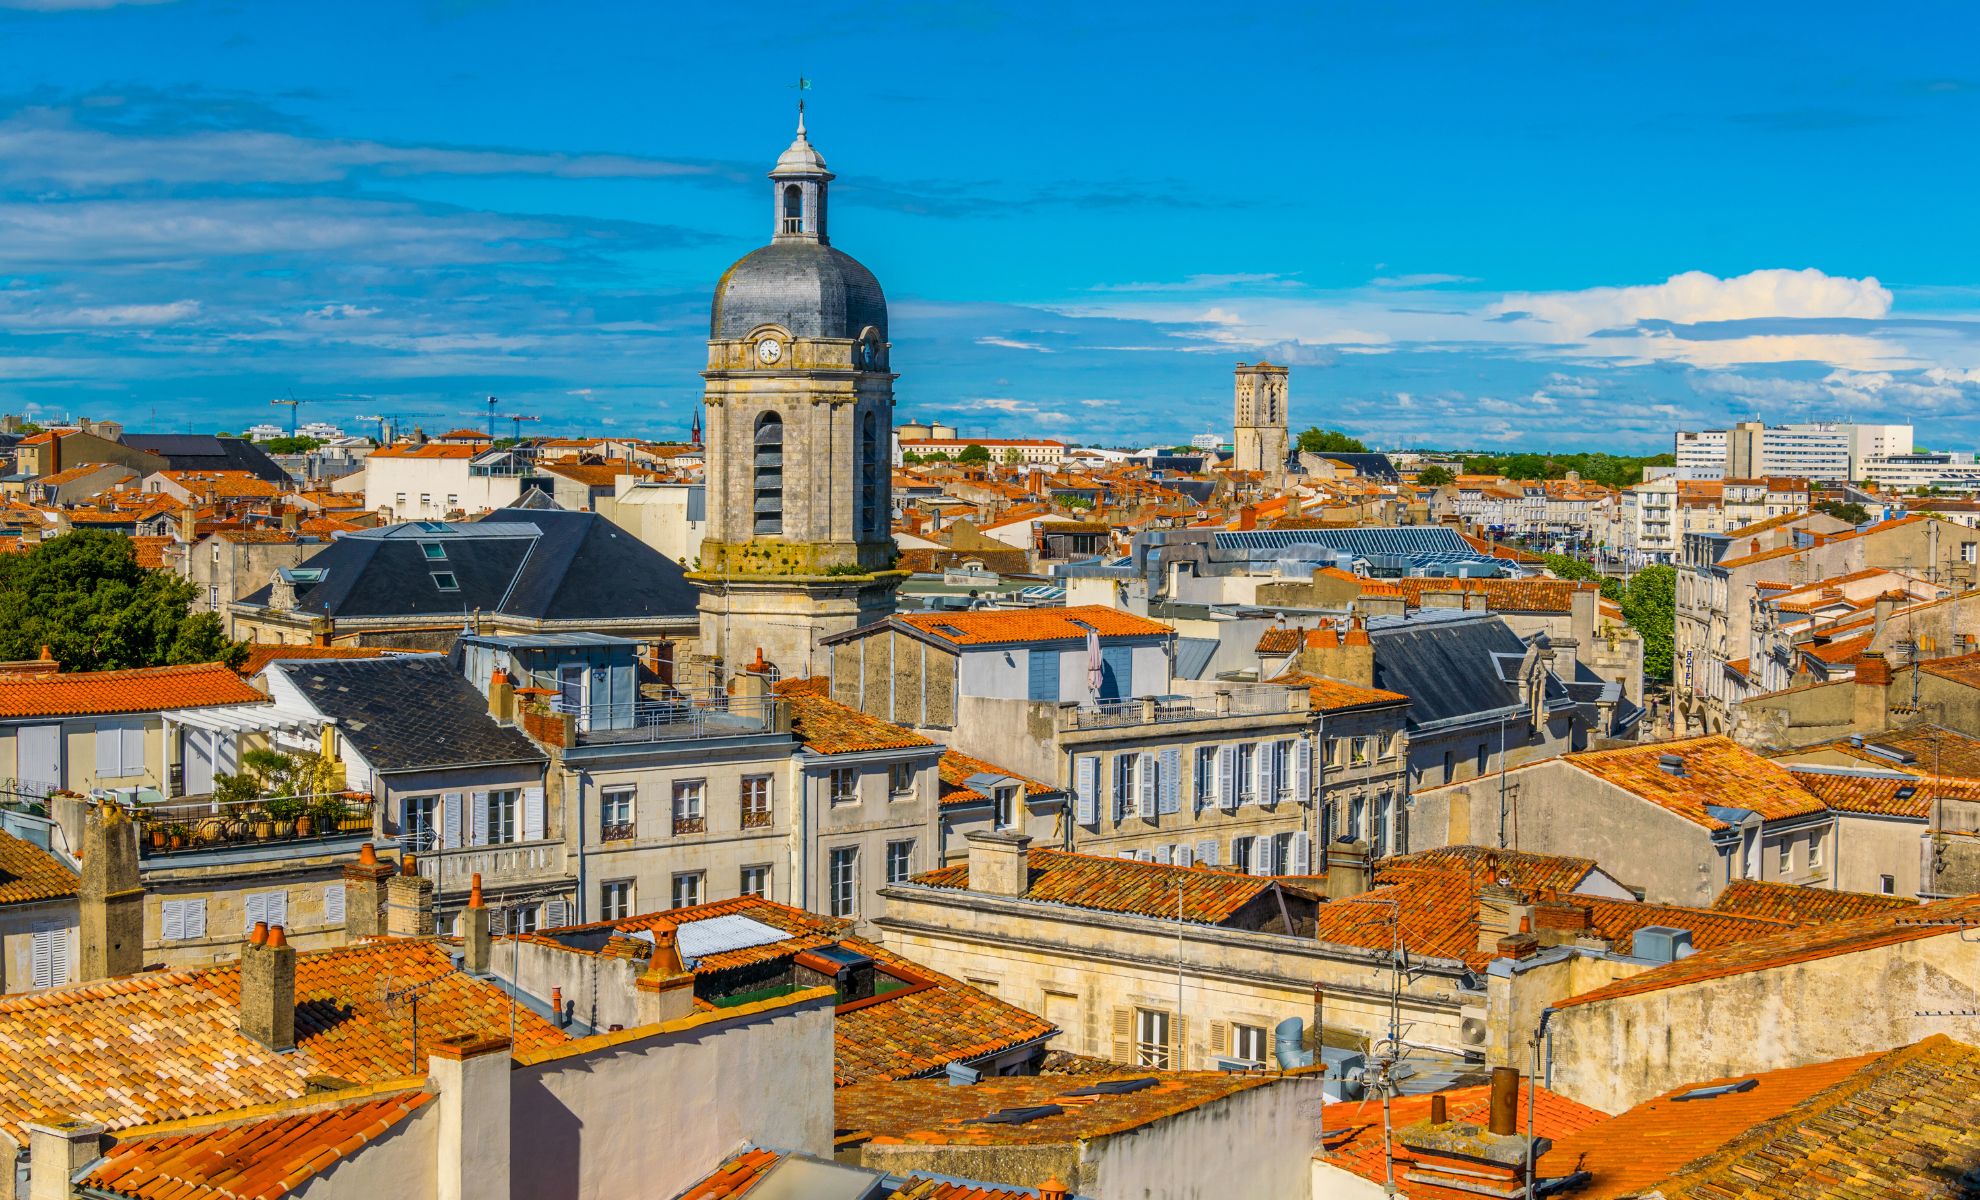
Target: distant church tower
[
  {"x": 800, "y": 412},
  {"x": 1261, "y": 435}
]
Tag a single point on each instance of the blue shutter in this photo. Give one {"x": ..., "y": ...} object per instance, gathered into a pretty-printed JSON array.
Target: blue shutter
[
  {"x": 1171, "y": 776},
  {"x": 1086, "y": 776},
  {"x": 1042, "y": 676},
  {"x": 1116, "y": 669}
]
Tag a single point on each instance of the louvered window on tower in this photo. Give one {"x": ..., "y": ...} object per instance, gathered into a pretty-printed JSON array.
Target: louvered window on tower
[
  {"x": 869, "y": 475},
  {"x": 768, "y": 480}
]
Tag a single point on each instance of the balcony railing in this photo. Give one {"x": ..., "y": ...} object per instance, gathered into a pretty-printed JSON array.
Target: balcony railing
[
  {"x": 619, "y": 831},
  {"x": 498, "y": 866},
  {"x": 756, "y": 818},
  {"x": 686, "y": 825},
  {"x": 1162, "y": 710},
  {"x": 196, "y": 824},
  {"x": 708, "y": 715}
]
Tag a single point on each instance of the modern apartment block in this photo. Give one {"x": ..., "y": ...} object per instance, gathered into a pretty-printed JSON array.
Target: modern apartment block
[{"x": 1827, "y": 451}]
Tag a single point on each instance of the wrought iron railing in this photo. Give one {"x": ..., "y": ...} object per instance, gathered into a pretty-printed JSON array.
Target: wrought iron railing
[
  {"x": 193, "y": 824},
  {"x": 690, "y": 824},
  {"x": 618, "y": 831},
  {"x": 756, "y": 818}
]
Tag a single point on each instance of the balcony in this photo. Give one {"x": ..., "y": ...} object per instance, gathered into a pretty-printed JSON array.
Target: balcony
[
  {"x": 194, "y": 825},
  {"x": 1165, "y": 710},
  {"x": 510, "y": 865},
  {"x": 684, "y": 825},
  {"x": 618, "y": 831},
  {"x": 688, "y": 717},
  {"x": 756, "y": 819}
]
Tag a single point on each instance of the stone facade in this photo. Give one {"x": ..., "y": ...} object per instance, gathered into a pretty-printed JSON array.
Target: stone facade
[{"x": 1261, "y": 434}]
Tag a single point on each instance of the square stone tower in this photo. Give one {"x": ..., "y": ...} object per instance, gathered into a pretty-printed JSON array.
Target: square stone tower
[{"x": 1261, "y": 436}]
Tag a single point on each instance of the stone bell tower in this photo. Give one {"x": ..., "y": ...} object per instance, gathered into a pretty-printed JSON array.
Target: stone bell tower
[
  {"x": 800, "y": 407},
  {"x": 1261, "y": 434}
]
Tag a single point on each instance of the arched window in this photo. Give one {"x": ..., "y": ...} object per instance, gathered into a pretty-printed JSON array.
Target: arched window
[
  {"x": 869, "y": 475},
  {"x": 767, "y": 480},
  {"x": 793, "y": 209}
]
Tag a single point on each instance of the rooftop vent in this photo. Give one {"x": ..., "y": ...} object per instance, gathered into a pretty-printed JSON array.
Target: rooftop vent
[
  {"x": 1891, "y": 752},
  {"x": 960, "y": 1075},
  {"x": 1713, "y": 1093},
  {"x": 1671, "y": 764},
  {"x": 1114, "y": 1087},
  {"x": 1017, "y": 1116},
  {"x": 1661, "y": 943}
]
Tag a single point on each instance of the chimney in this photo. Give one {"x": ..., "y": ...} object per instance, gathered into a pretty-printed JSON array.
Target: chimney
[
  {"x": 666, "y": 987},
  {"x": 1346, "y": 655},
  {"x": 1347, "y": 869},
  {"x": 268, "y": 987},
  {"x": 188, "y": 524},
  {"x": 111, "y": 897},
  {"x": 364, "y": 895},
  {"x": 477, "y": 947},
  {"x": 1505, "y": 1101},
  {"x": 56, "y": 1151},
  {"x": 281, "y": 593},
  {"x": 752, "y": 683},
  {"x": 502, "y": 697},
  {"x": 1872, "y": 693},
  {"x": 289, "y": 520},
  {"x": 1439, "y": 1114},
  {"x": 999, "y": 862},
  {"x": 408, "y": 902},
  {"x": 469, "y": 1074},
  {"x": 1459, "y": 1158},
  {"x": 1052, "y": 1189}
]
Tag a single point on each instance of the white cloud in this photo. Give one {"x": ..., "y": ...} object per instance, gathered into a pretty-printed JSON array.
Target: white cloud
[
  {"x": 1415, "y": 281},
  {"x": 1696, "y": 296},
  {"x": 1012, "y": 344}
]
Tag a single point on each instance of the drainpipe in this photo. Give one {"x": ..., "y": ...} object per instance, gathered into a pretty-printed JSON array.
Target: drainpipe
[
  {"x": 803, "y": 897},
  {"x": 584, "y": 849},
  {"x": 1543, "y": 1034}
]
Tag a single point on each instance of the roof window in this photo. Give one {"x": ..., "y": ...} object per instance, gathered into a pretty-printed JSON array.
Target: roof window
[
  {"x": 1713, "y": 1093},
  {"x": 445, "y": 581},
  {"x": 434, "y": 551},
  {"x": 1017, "y": 1116},
  {"x": 1907, "y": 791},
  {"x": 1114, "y": 1087},
  {"x": 433, "y": 526}
]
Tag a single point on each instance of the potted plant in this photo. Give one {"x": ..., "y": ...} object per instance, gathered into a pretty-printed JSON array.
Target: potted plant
[
  {"x": 157, "y": 836},
  {"x": 329, "y": 814},
  {"x": 283, "y": 811},
  {"x": 176, "y": 834}
]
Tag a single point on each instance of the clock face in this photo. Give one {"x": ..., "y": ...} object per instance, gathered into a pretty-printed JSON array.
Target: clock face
[{"x": 769, "y": 350}]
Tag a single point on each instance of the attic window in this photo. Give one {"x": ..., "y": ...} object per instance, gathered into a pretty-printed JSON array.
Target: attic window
[
  {"x": 1114, "y": 1087},
  {"x": 1907, "y": 791},
  {"x": 951, "y": 630},
  {"x": 445, "y": 581},
  {"x": 434, "y": 551},
  {"x": 1017, "y": 1116},
  {"x": 1713, "y": 1093},
  {"x": 433, "y": 526}
]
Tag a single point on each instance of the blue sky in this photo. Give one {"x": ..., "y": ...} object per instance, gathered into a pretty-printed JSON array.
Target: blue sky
[{"x": 1540, "y": 225}]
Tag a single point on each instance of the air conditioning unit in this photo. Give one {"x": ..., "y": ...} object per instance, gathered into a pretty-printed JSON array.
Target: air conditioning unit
[
  {"x": 1661, "y": 943},
  {"x": 1472, "y": 1030}
]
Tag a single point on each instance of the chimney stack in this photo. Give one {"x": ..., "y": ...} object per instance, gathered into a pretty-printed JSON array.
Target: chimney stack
[
  {"x": 1872, "y": 693},
  {"x": 268, "y": 987},
  {"x": 1347, "y": 869},
  {"x": 56, "y": 1151},
  {"x": 666, "y": 987},
  {"x": 1000, "y": 862},
  {"x": 477, "y": 947},
  {"x": 1439, "y": 1114},
  {"x": 408, "y": 902},
  {"x": 469, "y": 1074},
  {"x": 111, "y": 897},
  {"x": 364, "y": 895},
  {"x": 1505, "y": 1101},
  {"x": 502, "y": 697}
]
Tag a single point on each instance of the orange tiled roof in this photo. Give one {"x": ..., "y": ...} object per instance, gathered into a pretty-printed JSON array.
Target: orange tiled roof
[
  {"x": 1933, "y": 749},
  {"x": 429, "y": 450},
  {"x": 145, "y": 689},
  {"x": 956, "y": 768},
  {"x": 1353, "y": 1139},
  {"x": 260, "y": 654},
  {"x": 28, "y": 873},
  {"x": 214, "y": 485},
  {"x": 1886, "y": 793},
  {"x": 927, "y": 1187},
  {"x": 150, "y": 551},
  {"x": 1332, "y": 695},
  {"x": 167, "y": 1045},
  {"x": 1632, "y": 1152},
  {"x": 734, "y": 1178},
  {"x": 1791, "y": 946},
  {"x": 920, "y": 1030},
  {"x": 1523, "y": 869},
  {"x": 994, "y": 627},
  {"x": 1802, "y": 905},
  {"x": 826, "y": 726},
  {"x": 1124, "y": 886},
  {"x": 263, "y": 1158},
  {"x": 1717, "y": 771},
  {"x": 1963, "y": 670},
  {"x": 931, "y": 1112}
]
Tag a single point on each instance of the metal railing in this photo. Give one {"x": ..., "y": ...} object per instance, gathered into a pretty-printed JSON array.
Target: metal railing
[
  {"x": 1161, "y": 710},
  {"x": 618, "y": 831},
  {"x": 194, "y": 824},
  {"x": 693, "y": 824},
  {"x": 756, "y": 818},
  {"x": 690, "y": 717}
]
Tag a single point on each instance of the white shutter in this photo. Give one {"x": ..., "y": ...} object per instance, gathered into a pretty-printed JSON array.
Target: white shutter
[
  {"x": 533, "y": 824},
  {"x": 1265, "y": 783},
  {"x": 278, "y": 908},
  {"x": 172, "y": 921},
  {"x": 1302, "y": 771},
  {"x": 1302, "y": 854},
  {"x": 1227, "y": 778},
  {"x": 109, "y": 749},
  {"x": 1261, "y": 856},
  {"x": 1164, "y": 855},
  {"x": 1144, "y": 766},
  {"x": 1205, "y": 778},
  {"x": 1086, "y": 790},
  {"x": 450, "y": 821},
  {"x": 333, "y": 904},
  {"x": 195, "y": 920},
  {"x": 50, "y": 957},
  {"x": 477, "y": 818},
  {"x": 133, "y": 755},
  {"x": 1206, "y": 852},
  {"x": 1123, "y": 786},
  {"x": 1170, "y": 799},
  {"x": 554, "y": 916},
  {"x": 1131, "y": 855},
  {"x": 1183, "y": 856},
  {"x": 254, "y": 907}
]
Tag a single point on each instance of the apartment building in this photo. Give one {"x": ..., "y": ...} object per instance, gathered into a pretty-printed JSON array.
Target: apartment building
[{"x": 1831, "y": 452}]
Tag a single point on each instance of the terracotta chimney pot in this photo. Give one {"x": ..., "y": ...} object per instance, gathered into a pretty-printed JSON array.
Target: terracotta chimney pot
[{"x": 259, "y": 934}]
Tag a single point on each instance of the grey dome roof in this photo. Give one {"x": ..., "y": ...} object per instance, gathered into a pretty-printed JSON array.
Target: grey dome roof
[{"x": 807, "y": 287}]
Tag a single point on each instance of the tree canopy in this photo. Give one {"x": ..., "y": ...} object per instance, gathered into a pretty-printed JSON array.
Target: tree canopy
[
  {"x": 297, "y": 444},
  {"x": 1435, "y": 477},
  {"x": 1612, "y": 470},
  {"x": 1649, "y": 604},
  {"x": 973, "y": 453},
  {"x": 1842, "y": 510},
  {"x": 84, "y": 596},
  {"x": 1330, "y": 441}
]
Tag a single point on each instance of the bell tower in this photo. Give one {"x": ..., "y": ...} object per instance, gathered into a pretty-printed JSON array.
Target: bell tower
[
  {"x": 1261, "y": 433},
  {"x": 800, "y": 404}
]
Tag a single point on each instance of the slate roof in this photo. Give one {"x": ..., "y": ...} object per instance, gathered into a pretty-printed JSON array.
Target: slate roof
[
  {"x": 264, "y": 1158},
  {"x": 409, "y": 713},
  {"x": 1122, "y": 885},
  {"x": 167, "y": 1045},
  {"x": 143, "y": 689},
  {"x": 539, "y": 564},
  {"x": 1447, "y": 668},
  {"x": 204, "y": 452},
  {"x": 1802, "y": 905}
]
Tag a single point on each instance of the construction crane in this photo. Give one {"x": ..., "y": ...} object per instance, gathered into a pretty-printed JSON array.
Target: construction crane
[
  {"x": 491, "y": 418},
  {"x": 293, "y": 404},
  {"x": 387, "y": 422},
  {"x": 519, "y": 418}
]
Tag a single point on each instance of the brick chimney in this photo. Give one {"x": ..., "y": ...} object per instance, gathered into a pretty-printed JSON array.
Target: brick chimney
[
  {"x": 188, "y": 524},
  {"x": 56, "y": 1151},
  {"x": 502, "y": 697},
  {"x": 1872, "y": 706},
  {"x": 1463, "y": 1158},
  {"x": 476, "y": 946},
  {"x": 364, "y": 895},
  {"x": 268, "y": 987},
  {"x": 408, "y": 902},
  {"x": 469, "y": 1074},
  {"x": 1346, "y": 655},
  {"x": 666, "y": 987},
  {"x": 999, "y": 862},
  {"x": 111, "y": 896}
]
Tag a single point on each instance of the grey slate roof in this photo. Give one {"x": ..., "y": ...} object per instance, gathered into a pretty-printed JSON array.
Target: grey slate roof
[
  {"x": 204, "y": 452},
  {"x": 808, "y": 288},
  {"x": 1451, "y": 668},
  {"x": 408, "y": 713},
  {"x": 539, "y": 564}
]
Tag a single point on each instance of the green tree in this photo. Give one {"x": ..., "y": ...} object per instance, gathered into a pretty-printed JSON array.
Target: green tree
[
  {"x": 1848, "y": 511},
  {"x": 291, "y": 445},
  {"x": 1013, "y": 456},
  {"x": 1569, "y": 568},
  {"x": 1649, "y": 604},
  {"x": 84, "y": 596},
  {"x": 973, "y": 453},
  {"x": 1330, "y": 441},
  {"x": 1435, "y": 477}
]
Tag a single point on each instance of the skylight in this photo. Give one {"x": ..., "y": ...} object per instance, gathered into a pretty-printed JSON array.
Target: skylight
[
  {"x": 1713, "y": 1093},
  {"x": 445, "y": 581},
  {"x": 433, "y": 550}
]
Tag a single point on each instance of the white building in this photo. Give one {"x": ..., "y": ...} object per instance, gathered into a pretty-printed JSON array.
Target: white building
[
  {"x": 1032, "y": 450},
  {"x": 1824, "y": 451},
  {"x": 427, "y": 482}
]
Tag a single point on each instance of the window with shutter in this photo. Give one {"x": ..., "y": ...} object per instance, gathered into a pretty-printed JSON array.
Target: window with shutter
[
  {"x": 1268, "y": 781},
  {"x": 1086, "y": 784},
  {"x": 1164, "y": 855},
  {"x": 50, "y": 957},
  {"x": 1302, "y": 772},
  {"x": 172, "y": 921},
  {"x": 533, "y": 815},
  {"x": 1302, "y": 854},
  {"x": 1123, "y": 786},
  {"x": 1042, "y": 676},
  {"x": 1227, "y": 778},
  {"x": 1206, "y": 852},
  {"x": 450, "y": 823},
  {"x": 478, "y": 819},
  {"x": 333, "y": 904},
  {"x": 1171, "y": 772},
  {"x": 253, "y": 908},
  {"x": 555, "y": 914},
  {"x": 1144, "y": 767},
  {"x": 1219, "y": 1038},
  {"x": 1179, "y": 1048},
  {"x": 1123, "y": 1035},
  {"x": 1206, "y": 777},
  {"x": 195, "y": 920}
]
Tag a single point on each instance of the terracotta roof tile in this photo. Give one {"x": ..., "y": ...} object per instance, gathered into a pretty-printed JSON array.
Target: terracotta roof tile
[
  {"x": 429, "y": 450},
  {"x": 261, "y": 1159},
  {"x": 735, "y": 1177},
  {"x": 151, "y": 551},
  {"x": 1123, "y": 886},
  {"x": 1353, "y": 1129},
  {"x": 927, "y": 1187},
  {"x": 956, "y": 768},
  {"x": 1332, "y": 695},
  {"x": 145, "y": 689},
  {"x": 1802, "y": 905},
  {"x": 1884, "y": 793},
  {"x": 28, "y": 873},
  {"x": 260, "y": 654},
  {"x": 1929, "y": 749},
  {"x": 931, "y": 1112},
  {"x": 826, "y": 726},
  {"x": 998, "y": 626},
  {"x": 1718, "y": 772}
]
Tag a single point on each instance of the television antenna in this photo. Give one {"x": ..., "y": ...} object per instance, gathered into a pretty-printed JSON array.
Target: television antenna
[{"x": 409, "y": 996}]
